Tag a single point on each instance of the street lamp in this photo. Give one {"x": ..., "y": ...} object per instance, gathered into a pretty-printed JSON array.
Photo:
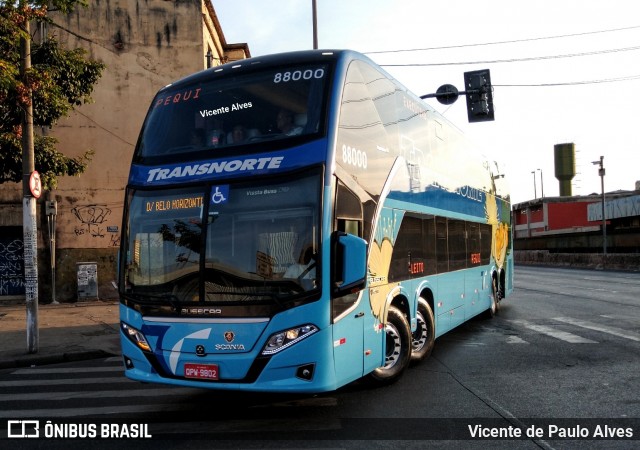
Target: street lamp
[
  {"x": 541, "y": 184},
  {"x": 535, "y": 191},
  {"x": 601, "y": 172}
]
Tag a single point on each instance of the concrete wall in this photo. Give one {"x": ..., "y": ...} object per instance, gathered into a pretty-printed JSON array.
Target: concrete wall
[
  {"x": 618, "y": 261},
  {"x": 145, "y": 45}
]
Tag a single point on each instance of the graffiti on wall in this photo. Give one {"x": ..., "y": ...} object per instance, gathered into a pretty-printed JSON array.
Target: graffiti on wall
[
  {"x": 92, "y": 220},
  {"x": 93, "y": 223},
  {"x": 11, "y": 267}
]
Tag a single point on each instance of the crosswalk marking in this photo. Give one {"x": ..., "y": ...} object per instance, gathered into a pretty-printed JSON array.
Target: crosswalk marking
[
  {"x": 96, "y": 410},
  {"x": 602, "y": 328},
  {"x": 44, "y": 396},
  {"x": 110, "y": 382},
  {"x": 554, "y": 333},
  {"x": 51, "y": 371},
  {"x": 515, "y": 340},
  {"x": 62, "y": 382},
  {"x": 77, "y": 403}
]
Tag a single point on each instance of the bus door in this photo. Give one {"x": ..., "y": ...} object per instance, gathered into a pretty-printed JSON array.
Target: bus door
[
  {"x": 348, "y": 311},
  {"x": 348, "y": 330}
]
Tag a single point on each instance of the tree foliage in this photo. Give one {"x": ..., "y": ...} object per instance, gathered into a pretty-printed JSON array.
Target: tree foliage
[{"x": 59, "y": 80}]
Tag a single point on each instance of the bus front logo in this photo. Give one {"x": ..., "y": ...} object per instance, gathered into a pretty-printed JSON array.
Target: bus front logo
[{"x": 229, "y": 336}]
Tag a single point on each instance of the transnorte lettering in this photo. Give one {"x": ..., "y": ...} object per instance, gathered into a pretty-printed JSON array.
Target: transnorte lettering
[{"x": 208, "y": 168}]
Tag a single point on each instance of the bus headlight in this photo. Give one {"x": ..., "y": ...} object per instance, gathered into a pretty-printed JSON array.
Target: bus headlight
[
  {"x": 285, "y": 339},
  {"x": 136, "y": 336}
]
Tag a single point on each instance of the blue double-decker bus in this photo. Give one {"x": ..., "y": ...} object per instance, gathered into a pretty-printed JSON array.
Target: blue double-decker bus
[{"x": 296, "y": 222}]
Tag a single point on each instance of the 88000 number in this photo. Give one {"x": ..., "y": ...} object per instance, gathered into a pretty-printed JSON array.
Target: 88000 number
[
  {"x": 354, "y": 157},
  {"x": 297, "y": 75}
]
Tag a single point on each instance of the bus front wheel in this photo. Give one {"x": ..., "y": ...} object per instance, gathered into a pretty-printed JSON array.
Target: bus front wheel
[{"x": 397, "y": 348}]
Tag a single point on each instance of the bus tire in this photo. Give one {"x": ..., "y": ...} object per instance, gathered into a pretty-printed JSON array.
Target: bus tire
[
  {"x": 397, "y": 349},
  {"x": 494, "y": 307},
  {"x": 423, "y": 339}
]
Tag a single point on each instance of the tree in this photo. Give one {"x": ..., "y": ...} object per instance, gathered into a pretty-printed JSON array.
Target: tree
[{"x": 59, "y": 80}]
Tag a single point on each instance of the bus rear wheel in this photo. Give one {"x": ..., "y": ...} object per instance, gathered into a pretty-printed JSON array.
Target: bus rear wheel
[
  {"x": 397, "y": 349},
  {"x": 494, "y": 307},
  {"x": 423, "y": 338}
]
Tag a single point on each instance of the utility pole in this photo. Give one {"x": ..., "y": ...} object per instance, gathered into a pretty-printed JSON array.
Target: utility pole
[
  {"x": 315, "y": 24},
  {"x": 535, "y": 190},
  {"x": 601, "y": 172},
  {"x": 31, "y": 189},
  {"x": 541, "y": 184}
]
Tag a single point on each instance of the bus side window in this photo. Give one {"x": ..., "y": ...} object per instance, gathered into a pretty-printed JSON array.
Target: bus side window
[
  {"x": 442, "y": 245},
  {"x": 348, "y": 212},
  {"x": 349, "y": 226}
]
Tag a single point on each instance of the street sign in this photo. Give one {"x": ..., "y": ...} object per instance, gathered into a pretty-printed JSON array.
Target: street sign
[{"x": 35, "y": 185}]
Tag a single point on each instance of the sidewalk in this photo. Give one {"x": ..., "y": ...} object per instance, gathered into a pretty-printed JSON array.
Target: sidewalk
[{"x": 67, "y": 332}]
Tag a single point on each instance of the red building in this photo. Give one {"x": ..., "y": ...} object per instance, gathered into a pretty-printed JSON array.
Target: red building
[{"x": 574, "y": 224}]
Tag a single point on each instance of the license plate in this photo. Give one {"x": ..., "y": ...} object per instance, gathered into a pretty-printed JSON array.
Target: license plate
[{"x": 201, "y": 371}]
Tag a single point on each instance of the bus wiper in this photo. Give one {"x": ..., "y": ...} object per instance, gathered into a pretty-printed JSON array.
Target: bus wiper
[
  {"x": 153, "y": 299},
  {"x": 281, "y": 299},
  {"x": 248, "y": 295},
  {"x": 173, "y": 300}
]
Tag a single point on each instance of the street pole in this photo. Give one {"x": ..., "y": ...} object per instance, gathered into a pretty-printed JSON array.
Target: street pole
[
  {"x": 51, "y": 209},
  {"x": 29, "y": 182},
  {"x": 541, "y": 184},
  {"x": 601, "y": 172},
  {"x": 315, "y": 24},
  {"x": 535, "y": 191}
]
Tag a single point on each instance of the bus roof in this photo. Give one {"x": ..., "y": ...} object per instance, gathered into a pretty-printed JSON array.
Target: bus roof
[{"x": 266, "y": 61}]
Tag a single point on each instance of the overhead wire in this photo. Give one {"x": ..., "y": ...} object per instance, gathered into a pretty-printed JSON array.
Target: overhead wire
[
  {"x": 512, "y": 41},
  {"x": 526, "y": 59},
  {"x": 573, "y": 83},
  {"x": 510, "y": 60}
]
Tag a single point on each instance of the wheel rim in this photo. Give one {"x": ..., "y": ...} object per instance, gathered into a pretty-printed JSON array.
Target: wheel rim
[
  {"x": 494, "y": 299},
  {"x": 394, "y": 345},
  {"x": 419, "y": 337}
]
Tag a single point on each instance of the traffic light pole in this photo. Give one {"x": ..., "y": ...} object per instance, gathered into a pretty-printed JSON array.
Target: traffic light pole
[{"x": 479, "y": 94}]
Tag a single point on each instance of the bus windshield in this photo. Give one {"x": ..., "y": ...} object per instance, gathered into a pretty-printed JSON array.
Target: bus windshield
[
  {"x": 260, "y": 106},
  {"x": 251, "y": 242}
]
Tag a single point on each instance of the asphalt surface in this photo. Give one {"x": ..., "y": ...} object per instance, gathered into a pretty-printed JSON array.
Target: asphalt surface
[{"x": 66, "y": 332}]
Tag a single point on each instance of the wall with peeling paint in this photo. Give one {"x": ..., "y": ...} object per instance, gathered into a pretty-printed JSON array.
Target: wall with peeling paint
[{"x": 144, "y": 45}]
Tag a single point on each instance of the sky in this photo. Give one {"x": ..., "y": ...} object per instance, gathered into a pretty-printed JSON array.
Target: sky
[{"x": 562, "y": 70}]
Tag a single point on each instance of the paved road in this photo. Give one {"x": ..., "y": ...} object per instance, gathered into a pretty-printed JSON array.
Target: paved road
[{"x": 566, "y": 345}]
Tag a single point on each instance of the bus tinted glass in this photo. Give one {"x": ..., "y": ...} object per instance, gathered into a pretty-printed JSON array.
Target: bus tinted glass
[
  {"x": 261, "y": 106},
  {"x": 257, "y": 243},
  {"x": 263, "y": 240}
]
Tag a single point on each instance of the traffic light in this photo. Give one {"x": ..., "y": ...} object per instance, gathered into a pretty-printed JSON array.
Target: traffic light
[{"x": 479, "y": 94}]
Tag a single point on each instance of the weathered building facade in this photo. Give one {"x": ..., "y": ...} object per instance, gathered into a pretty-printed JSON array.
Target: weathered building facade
[
  {"x": 144, "y": 45},
  {"x": 568, "y": 231}
]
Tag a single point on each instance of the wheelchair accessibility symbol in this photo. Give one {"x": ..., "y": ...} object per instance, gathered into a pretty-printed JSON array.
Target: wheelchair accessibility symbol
[{"x": 220, "y": 194}]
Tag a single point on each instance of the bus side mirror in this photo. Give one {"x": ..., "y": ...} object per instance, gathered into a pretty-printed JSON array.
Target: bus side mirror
[{"x": 350, "y": 263}]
